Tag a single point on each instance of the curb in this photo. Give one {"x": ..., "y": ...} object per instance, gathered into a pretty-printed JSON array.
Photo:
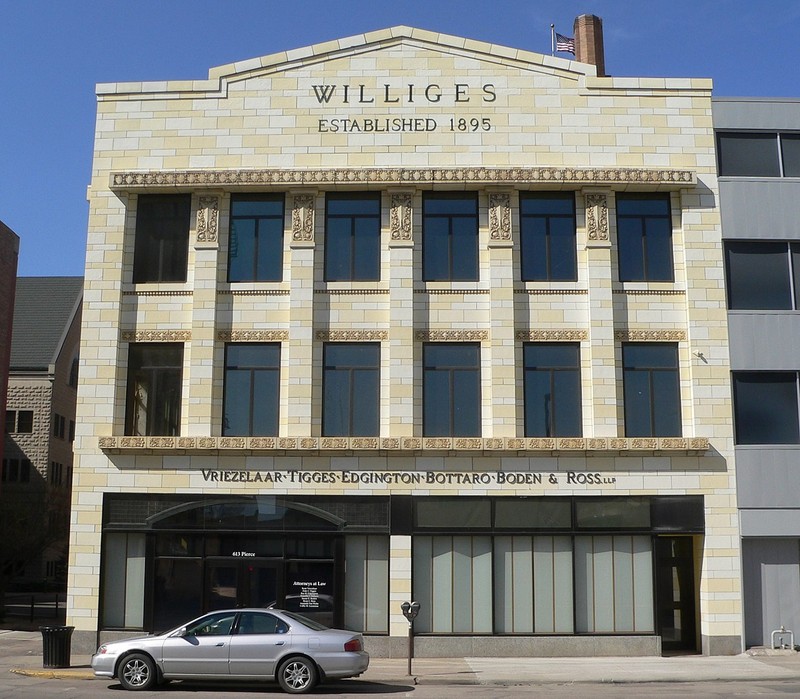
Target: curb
[{"x": 55, "y": 673}]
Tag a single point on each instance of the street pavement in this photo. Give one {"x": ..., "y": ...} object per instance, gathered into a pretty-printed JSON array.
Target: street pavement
[{"x": 21, "y": 653}]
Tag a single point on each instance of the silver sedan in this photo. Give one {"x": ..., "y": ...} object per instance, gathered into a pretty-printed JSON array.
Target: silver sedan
[{"x": 237, "y": 644}]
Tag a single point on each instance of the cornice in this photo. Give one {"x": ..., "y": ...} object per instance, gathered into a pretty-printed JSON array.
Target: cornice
[{"x": 199, "y": 179}]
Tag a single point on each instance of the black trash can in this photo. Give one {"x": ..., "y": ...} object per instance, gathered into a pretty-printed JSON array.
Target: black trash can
[{"x": 56, "y": 642}]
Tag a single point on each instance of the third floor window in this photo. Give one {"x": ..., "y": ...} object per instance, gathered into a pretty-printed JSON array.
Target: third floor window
[
  {"x": 644, "y": 238},
  {"x": 353, "y": 237},
  {"x": 255, "y": 248},
  {"x": 162, "y": 238},
  {"x": 450, "y": 237},
  {"x": 547, "y": 237}
]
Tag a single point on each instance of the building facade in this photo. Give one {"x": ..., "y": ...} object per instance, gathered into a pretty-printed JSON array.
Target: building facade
[
  {"x": 40, "y": 429},
  {"x": 9, "y": 254},
  {"x": 409, "y": 316},
  {"x": 759, "y": 164}
]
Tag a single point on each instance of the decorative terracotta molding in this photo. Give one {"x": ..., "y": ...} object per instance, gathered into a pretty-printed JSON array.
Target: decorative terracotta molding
[
  {"x": 400, "y": 216},
  {"x": 586, "y": 445},
  {"x": 499, "y": 216},
  {"x": 328, "y": 177},
  {"x": 650, "y": 335},
  {"x": 252, "y": 335},
  {"x": 207, "y": 219},
  {"x": 303, "y": 217},
  {"x": 551, "y": 335},
  {"x": 181, "y": 292},
  {"x": 156, "y": 335},
  {"x": 597, "y": 217},
  {"x": 650, "y": 292},
  {"x": 253, "y": 292},
  {"x": 451, "y": 335},
  {"x": 351, "y": 292},
  {"x": 552, "y": 292},
  {"x": 451, "y": 292},
  {"x": 352, "y": 335}
]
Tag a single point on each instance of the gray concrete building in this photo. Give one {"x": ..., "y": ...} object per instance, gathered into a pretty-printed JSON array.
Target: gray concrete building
[{"x": 758, "y": 147}]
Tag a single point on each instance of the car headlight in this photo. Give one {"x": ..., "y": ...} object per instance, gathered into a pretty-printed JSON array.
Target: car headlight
[{"x": 102, "y": 650}]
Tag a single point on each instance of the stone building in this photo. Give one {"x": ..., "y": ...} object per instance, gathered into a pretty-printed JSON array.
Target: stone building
[
  {"x": 9, "y": 253},
  {"x": 409, "y": 316},
  {"x": 758, "y": 147},
  {"x": 40, "y": 428}
]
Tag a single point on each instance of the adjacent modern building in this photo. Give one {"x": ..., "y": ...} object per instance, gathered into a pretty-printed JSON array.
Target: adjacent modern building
[
  {"x": 40, "y": 428},
  {"x": 407, "y": 316},
  {"x": 758, "y": 146}
]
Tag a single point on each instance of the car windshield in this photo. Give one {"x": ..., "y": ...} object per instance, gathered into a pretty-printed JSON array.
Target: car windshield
[{"x": 305, "y": 621}]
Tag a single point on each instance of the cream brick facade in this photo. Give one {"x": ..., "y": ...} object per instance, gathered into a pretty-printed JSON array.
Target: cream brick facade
[{"x": 541, "y": 123}]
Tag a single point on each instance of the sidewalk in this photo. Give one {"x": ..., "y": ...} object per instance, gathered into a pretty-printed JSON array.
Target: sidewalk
[{"x": 21, "y": 653}]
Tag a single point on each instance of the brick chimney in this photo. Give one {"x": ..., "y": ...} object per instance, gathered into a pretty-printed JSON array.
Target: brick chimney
[{"x": 588, "y": 33}]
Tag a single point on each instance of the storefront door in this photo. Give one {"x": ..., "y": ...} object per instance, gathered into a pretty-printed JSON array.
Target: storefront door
[
  {"x": 242, "y": 583},
  {"x": 675, "y": 593}
]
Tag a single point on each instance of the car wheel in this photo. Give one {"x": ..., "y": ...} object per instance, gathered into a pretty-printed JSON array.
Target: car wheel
[
  {"x": 297, "y": 675},
  {"x": 137, "y": 672}
]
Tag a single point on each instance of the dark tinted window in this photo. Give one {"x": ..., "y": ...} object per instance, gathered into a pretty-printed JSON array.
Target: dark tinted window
[
  {"x": 351, "y": 388},
  {"x": 453, "y": 513},
  {"x": 748, "y": 154},
  {"x": 547, "y": 237},
  {"x": 154, "y": 389},
  {"x": 352, "y": 237},
  {"x": 652, "y": 390},
  {"x": 162, "y": 238},
  {"x": 450, "y": 237},
  {"x": 612, "y": 513},
  {"x": 252, "y": 389},
  {"x": 758, "y": 275},
  {"x": 790, "y": 154},
  {"x": 533, "y": 513},
  {"x": 255, "y": 246},
  {"x": 765, "y": 407},
  {"x": 552, "y": 390},
  {"x": 644, "y": 237},
  {"x": 451, "y": 390},
  {"x": 255, "y": 623}
]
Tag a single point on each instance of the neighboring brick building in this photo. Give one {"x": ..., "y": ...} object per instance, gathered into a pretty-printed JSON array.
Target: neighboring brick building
[
  {"x": 40, "y": 428},
  {"x": 406, "y": 315},
  {"x": 9, "y": 253}
]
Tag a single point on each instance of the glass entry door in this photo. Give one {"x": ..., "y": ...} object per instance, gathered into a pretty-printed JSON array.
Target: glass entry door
[
  {"x": 242, "y": 583},
  {"x": 675, "y": 593}
]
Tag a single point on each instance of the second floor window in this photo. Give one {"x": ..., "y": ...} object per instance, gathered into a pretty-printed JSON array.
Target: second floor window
[
  {"x": 19, "y": 421},
  {"x": 451, "y": 390},
  {"x": 644, "y": 238},
  {"x": 763, "y": 275},
  {"x": 450, "y": 237},
  {"x": 552, "y": 390},
  {"x": 547, "y": 237},
  {"x": 351, "y": 389},
  {"x": 353, "y": 237},
  {"x": 652, "y": 389},
  {"x": 162, "y": 238},
  {"x": 765, "y": 407},
  {"x": 255, "y": 245},
  {"x": 252, "y": 389},
  {"x": 155, "y": 375}
]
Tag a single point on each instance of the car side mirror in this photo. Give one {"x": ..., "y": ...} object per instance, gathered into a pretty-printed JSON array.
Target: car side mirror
[{"x": 182, "y": 632}]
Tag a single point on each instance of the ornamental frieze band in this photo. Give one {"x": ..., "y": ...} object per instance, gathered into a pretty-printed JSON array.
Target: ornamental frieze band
[
  {"x": 193, "y": 179},
  {"x": 650, "y": 335},
  {"x": 156, "y": 335},
  {"x": 551, "y": 335},
  {"x": 252, "y": 335},
  {"x": 477, "y": 445},
  {"x": 352, "y": 335},
  {"x": 451, "y": 335}
]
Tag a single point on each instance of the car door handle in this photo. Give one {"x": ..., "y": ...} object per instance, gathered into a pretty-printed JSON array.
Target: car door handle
[
  {"x": 279, "y": 643},
  {"x": 221, "y": 643}
]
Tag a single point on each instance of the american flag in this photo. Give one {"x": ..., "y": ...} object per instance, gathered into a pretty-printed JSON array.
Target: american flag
[{"x": 565, "y": 43}]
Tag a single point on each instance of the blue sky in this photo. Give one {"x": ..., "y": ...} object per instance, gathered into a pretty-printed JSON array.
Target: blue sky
[{"x": 52, "y": 53}]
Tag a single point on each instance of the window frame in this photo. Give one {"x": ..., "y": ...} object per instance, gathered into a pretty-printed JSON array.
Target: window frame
[
  {"x": 738, "y": 378},
  {"x": 736, "y": 287},
  {"x": 161, "y": 252},
  {"x": 647, "y": 251},
  {"x": 273, "y": 371},
  {"x": 631, "y": 407},
  {"x": 526, "y": 233},
  {"x": 271, "y": 242},
  {"x": 558, "y": 399},
  {"x": 368, "y": 415},
  {"x": 455, "y": 249},
  {"x": 168, "y": 371},
  {"x": 353, "y": 240},
  {"x": 452, "y": 371}
]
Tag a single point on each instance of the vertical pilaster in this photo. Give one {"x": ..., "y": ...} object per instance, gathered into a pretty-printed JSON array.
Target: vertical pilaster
[
  {"x": 199, "y": 354},
  {"x": 499, "y": 382},
  {"x": 399, "y": 582},
  {"x": 600, "y": 384},
  {"x": 397, "y": 394},
  {"x": 299, "y": 362}
]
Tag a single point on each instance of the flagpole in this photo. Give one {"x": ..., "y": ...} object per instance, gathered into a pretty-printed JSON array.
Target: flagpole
[{"x": 552, "y": 39}]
